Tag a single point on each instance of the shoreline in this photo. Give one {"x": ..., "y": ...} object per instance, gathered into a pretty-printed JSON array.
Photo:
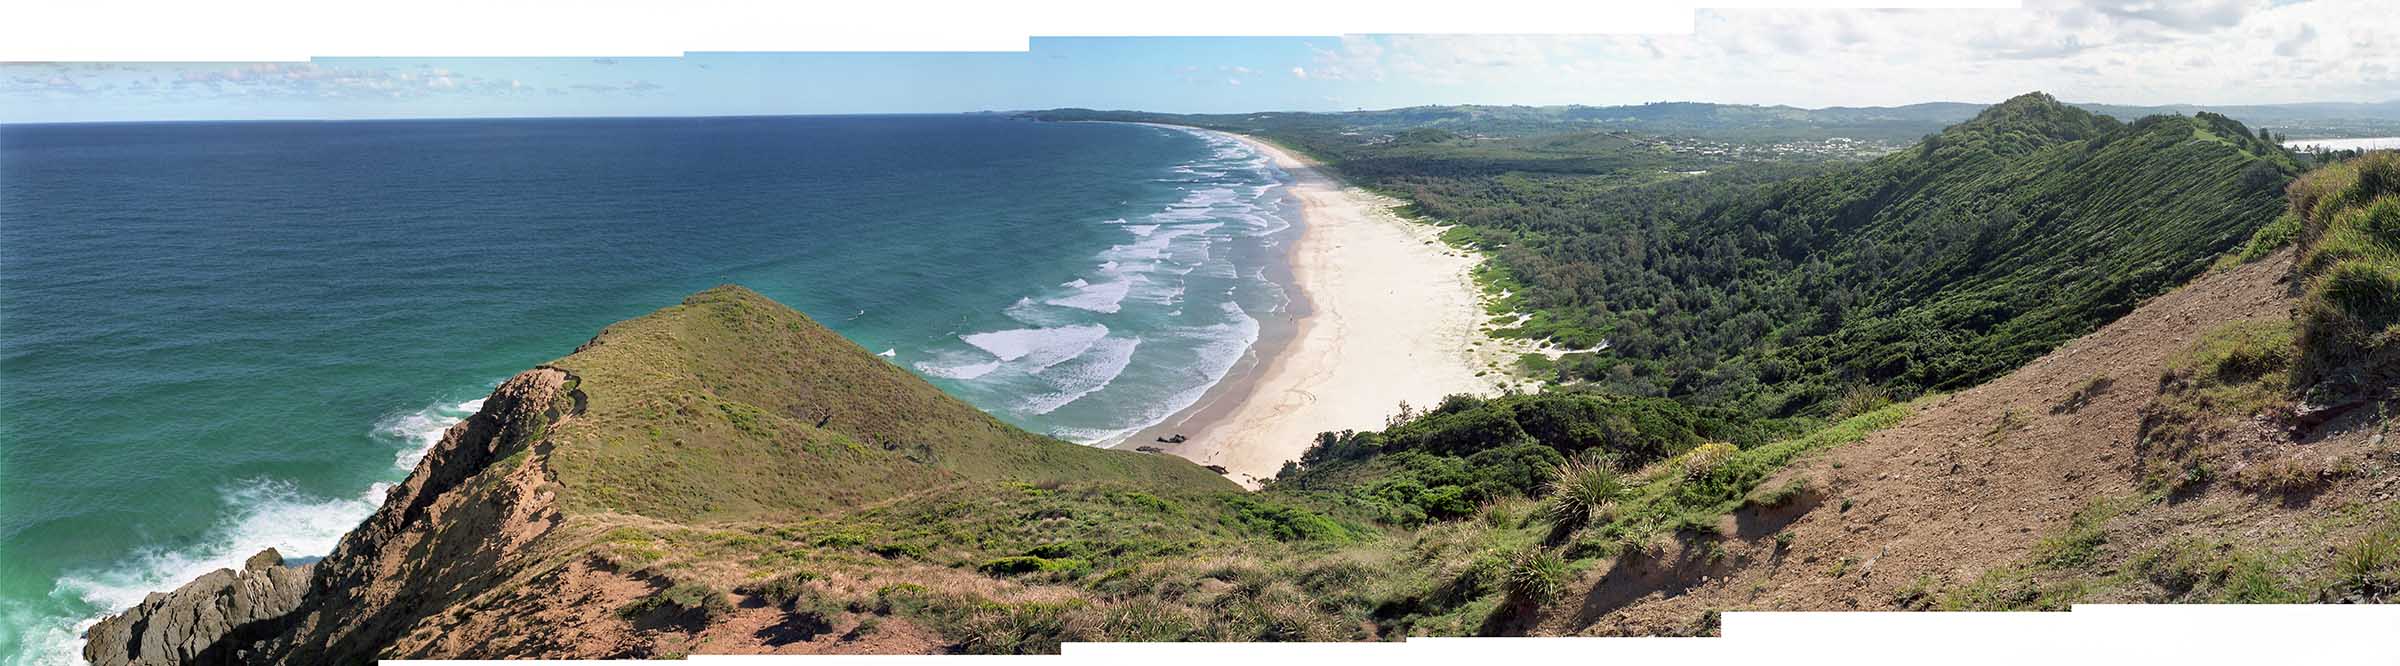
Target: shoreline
[{"x": 1382, "y": 312}]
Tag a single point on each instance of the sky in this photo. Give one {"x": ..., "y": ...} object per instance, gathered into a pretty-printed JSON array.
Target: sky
[{"x": 2112, "y": 51}]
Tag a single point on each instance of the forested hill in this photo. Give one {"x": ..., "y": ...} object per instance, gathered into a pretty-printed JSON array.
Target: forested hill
[
  {"x": 1777, "y": 289},
  {"x": 1932, "y": 269}
]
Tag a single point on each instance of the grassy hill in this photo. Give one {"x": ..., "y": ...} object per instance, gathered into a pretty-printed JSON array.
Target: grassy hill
[{"x": 731, "y": 406}]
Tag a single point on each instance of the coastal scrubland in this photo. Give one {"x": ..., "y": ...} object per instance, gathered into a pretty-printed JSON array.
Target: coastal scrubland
[
  {"x": 1929, "y": 269},
  {"x": 2042, "y": 357}
]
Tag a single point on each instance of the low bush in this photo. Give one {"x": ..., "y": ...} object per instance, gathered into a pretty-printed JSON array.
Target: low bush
[
  {"x": 1580, "y": 492},
  {"x": 1025, "y": 564},
  {"x": 687, "y": 602},
  {"x": 1536, "y": 574},
  {"x": 2368, "y": 570}
]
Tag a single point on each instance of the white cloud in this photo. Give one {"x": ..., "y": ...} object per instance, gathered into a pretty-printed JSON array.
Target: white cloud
[
  {"x": 2126, "y": 51},
  {"x": 291, "y": 81},
  {"x": 2292, "y": 46}
]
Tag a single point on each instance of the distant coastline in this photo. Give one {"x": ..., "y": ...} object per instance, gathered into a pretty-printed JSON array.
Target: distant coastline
[{"x": 2361, "y": 143}]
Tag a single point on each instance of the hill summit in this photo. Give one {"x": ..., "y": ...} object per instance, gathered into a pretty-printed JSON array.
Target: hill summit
[{"x": 727, "y": 408}]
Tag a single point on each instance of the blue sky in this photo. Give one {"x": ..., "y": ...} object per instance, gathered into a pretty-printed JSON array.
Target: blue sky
[{"x": 2120, "y": 51}]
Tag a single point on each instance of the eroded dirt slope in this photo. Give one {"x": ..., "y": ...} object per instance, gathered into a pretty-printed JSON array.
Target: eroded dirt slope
[{"x": 1974, "y": 502}]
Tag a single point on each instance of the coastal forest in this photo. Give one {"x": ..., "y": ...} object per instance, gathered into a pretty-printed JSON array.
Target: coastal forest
[
  {"x": 2038, "y": 356},
  {"x": 1777, "y": 293}
]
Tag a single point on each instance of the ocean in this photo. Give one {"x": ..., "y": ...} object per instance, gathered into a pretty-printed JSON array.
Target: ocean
[{"x": 221, "y": 337}]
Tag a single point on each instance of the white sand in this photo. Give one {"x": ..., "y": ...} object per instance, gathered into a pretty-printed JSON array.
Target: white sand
[{"x": 1396, "y": 317}]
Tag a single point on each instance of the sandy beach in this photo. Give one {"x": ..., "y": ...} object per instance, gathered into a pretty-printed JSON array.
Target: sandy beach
[{"x": 1387, "y": 313}]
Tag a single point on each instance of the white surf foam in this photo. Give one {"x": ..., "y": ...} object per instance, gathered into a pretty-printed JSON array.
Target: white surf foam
[
  {"x": 1041, "y": 346},
  {"x": 1104, "y": 298},
  {"x": 958, "y": 371},
  {"x": 260, "y": 513},
  {"x": 422, "y": 429},
  {"x": 1083, "y": 375},
  {"x": 263, "y": 513}
]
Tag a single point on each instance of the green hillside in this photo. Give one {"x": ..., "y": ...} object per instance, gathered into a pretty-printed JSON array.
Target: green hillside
[
  {"x": 2348, "y": 232},
  {"x": 1933, "y": 269},
  {"x": 1733, "y": 302},
  {"x": 730, "y": 405},
  {"x": 749, "y": 466},
  {"x": 1776, "y": 289}
]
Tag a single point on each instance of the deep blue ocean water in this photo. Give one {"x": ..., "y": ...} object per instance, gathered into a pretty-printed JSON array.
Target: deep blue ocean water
[{"x": 220, "y": 337}]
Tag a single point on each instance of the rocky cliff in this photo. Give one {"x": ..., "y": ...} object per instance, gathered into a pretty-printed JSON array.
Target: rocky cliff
[
  {"x": 474, "y": 501},
  {"x": 516, "y": 536}
]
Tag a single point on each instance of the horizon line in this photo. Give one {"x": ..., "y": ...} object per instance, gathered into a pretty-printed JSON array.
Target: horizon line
[{"x": 868, "y": 114}]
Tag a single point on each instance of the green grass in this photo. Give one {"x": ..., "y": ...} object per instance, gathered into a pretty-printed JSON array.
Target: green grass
[
  {"x": 2368, "y": 569},
  {"x": 2086, "y": 534},
  {"x": 731, "y": 406},
  {"x": 2349, "y": 260},
  {"x": 1692, "y": 498},
  {"x": 2222, "y": 382}
]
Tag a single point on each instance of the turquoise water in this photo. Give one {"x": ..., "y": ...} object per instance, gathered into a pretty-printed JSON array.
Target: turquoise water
[{"x": 220, "y": 337}]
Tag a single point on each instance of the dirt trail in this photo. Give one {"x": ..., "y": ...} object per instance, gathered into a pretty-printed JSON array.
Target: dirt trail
[{"x": 1967, "y": 485}]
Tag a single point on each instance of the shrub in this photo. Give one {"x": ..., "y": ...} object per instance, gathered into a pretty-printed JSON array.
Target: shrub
[
  {"x": 2270, "y": 238},
  {"x": 841, "y": 540},
  {"x": 1024, "y": 564},
  {"x": 2233, "y": 353},
  {"x": 1536, "y": 574},
  {"x": 1284, "y": 523},
  {"x": 1706, "y": 459},
  {"x": 1860, "y": 399},
  {"x": 1580, "y": 491},
  {"x": 783, "y": 591},
  {"x": 2223, "y": 382},
  {"x": 1523, "y": 469},
  {"x": 684, "y": 602},
  {"x": 2368, "y": 570},
  {"x": 1021, "y": 628}
]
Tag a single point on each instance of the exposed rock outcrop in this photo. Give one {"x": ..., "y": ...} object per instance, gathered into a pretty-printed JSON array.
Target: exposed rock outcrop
[
  {"x": 436, "y": 539},
  {"x": 215, "y": 619},
  {"x": 498, "y": 545}
]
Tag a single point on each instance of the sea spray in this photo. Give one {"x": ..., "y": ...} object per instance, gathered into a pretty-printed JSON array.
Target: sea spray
[{"x": 260, "y": 513}]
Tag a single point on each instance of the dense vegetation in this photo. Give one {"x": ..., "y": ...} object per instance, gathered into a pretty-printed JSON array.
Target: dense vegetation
[{"x": 1774, "y": 289}]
